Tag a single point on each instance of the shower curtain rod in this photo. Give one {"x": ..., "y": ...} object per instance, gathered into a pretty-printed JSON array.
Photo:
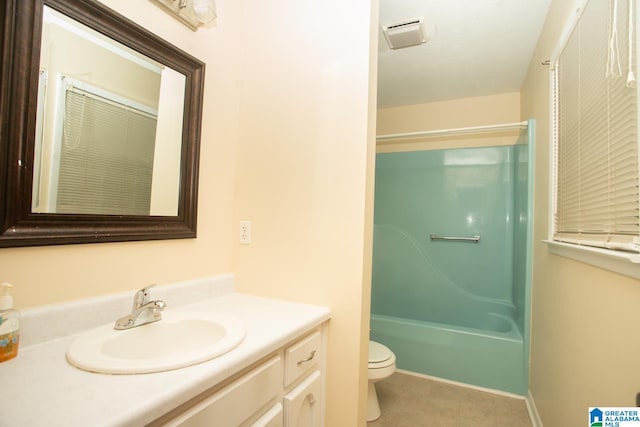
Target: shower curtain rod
[{"x": 456, "y": 131}]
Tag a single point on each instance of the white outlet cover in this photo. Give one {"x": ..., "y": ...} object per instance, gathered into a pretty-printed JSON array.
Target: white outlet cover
[{"x": 245, "y": 232}]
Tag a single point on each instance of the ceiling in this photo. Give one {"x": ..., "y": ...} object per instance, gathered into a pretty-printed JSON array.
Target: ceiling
[{"x": 475, "y": 48}]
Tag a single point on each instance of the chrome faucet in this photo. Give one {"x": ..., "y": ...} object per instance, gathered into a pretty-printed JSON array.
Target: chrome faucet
[{"x": 143, "y": 311}]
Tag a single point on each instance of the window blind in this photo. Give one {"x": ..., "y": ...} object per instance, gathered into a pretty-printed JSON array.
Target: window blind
[
  {"x": 106, "y": 160},
  {"x": 596, "y": 147}
]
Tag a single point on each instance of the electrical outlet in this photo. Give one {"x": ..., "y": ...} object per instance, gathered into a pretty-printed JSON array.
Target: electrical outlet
[{"x": 245, "y": 232}]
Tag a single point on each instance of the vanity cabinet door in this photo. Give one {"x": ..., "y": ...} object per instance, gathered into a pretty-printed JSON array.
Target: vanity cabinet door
[{"x": 302, "y": 406}]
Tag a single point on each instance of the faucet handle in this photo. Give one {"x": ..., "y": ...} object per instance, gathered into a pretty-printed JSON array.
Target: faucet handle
[{"x": 141, "y": 297}]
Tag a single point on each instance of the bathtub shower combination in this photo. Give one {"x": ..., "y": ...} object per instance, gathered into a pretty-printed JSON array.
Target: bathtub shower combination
[{"x": 451, "y": 266}]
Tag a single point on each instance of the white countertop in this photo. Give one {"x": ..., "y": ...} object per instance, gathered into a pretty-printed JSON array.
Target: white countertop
[{"x": 40, "y": 388}]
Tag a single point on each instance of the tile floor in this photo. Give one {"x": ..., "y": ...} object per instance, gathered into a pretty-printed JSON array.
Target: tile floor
[{"x": 411, "y": 401}]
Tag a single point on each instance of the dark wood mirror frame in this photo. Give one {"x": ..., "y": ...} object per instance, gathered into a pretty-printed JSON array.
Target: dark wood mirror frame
[{"x": 20, "y": 35}]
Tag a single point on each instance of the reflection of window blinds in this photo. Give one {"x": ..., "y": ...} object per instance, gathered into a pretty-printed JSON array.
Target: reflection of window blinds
[
  {"x": 106, "y": 160},
  {"x": 597, "y": 147}
]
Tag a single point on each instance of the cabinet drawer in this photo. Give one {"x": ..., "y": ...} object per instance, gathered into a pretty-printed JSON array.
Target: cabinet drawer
[
  {"x": 272, "y": 418},
  {"x": 236, "y": 402},
  {"x": 303, "y": 404},
  {"x": 301, "y": 357}
]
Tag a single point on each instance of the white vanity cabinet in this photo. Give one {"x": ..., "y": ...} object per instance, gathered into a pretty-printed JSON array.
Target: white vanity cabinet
[
  {"x": 303, "y": 402},
  {"x": 284, "y": 389}
]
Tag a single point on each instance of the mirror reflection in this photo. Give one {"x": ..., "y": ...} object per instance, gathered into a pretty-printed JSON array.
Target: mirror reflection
[{"x": 109, "y": 126}]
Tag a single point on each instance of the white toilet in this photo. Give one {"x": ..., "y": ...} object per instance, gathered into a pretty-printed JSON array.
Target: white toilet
[{"x": 382, "y": 363}]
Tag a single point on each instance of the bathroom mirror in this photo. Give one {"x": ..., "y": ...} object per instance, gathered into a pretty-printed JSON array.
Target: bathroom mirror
[{"x": 100, "y": 127}]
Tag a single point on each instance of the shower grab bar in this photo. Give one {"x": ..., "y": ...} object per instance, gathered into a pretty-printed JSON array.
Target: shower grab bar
[{"x": 474, "y": 239}]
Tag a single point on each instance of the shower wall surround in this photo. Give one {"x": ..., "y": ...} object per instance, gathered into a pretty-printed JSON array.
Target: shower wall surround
[
  {"x": 461, "y": 193},
  {"x": 480, "y": 289}
]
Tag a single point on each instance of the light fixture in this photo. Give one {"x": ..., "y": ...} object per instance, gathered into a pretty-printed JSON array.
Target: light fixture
[
  {"x": 404, "y": 34},
  {"x": 192, "y": 13}
]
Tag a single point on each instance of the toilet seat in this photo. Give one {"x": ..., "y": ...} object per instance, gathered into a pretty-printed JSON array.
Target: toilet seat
[{"x": 380, "y": 356}]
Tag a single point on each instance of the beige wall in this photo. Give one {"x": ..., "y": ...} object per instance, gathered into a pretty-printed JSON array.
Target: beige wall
[
  {"x": 304, "y": 166},
  {"x": 457, "y": 113},
  {"x": 584, "y": 346}
]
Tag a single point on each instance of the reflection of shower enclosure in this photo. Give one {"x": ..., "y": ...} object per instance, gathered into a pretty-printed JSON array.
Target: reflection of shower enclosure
[{"x": 454, "y": 308}]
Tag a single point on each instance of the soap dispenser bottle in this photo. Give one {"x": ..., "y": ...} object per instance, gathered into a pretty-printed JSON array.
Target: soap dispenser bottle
[{"x": 9, "y": 325}]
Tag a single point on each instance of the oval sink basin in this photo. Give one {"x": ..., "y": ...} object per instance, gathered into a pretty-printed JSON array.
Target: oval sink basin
[{"x": 180, "y": 339}]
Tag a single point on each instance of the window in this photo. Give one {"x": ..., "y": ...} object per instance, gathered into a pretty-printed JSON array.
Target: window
[
  {"x": 106, "y": 153},
  {"x": 596, "y": 130}
]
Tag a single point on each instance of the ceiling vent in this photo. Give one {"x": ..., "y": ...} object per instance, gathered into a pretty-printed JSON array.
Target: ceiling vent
[{"x": 405, "y": 34}]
